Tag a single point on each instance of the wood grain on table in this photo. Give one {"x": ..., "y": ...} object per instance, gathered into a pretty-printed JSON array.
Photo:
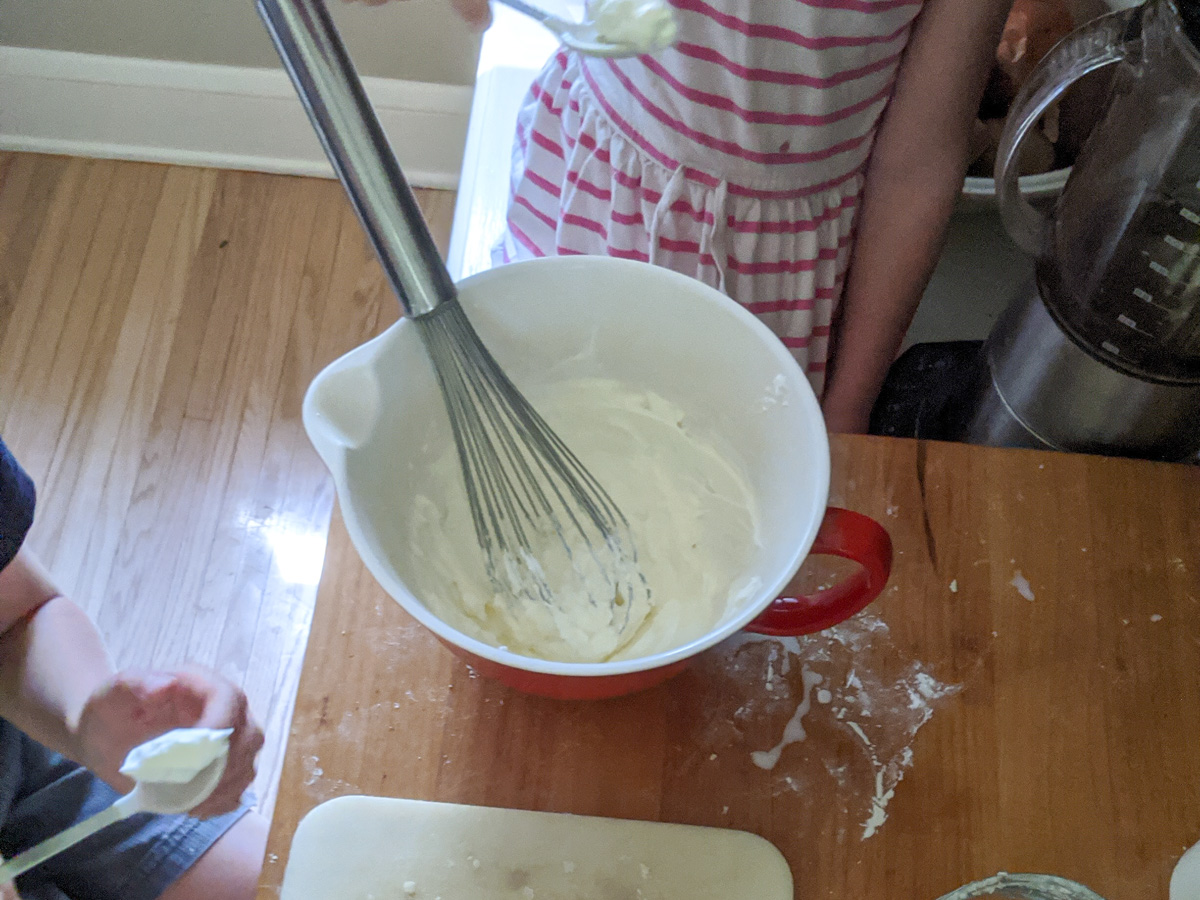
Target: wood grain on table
[{"x": 1070, "y": 747}]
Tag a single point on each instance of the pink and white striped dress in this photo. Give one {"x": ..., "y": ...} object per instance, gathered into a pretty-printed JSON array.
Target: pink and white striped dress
[{"x": 736, "y": 156}]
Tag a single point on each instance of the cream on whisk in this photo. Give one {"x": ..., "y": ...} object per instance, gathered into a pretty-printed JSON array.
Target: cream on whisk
[{"x": 690, "y": 509}]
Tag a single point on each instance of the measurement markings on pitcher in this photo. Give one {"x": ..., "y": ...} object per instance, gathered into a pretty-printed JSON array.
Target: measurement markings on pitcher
[
  {"x": 1182, "y": 246},
  {"x": 1132, "y": 325},
  {"x": 1144, "y": 295}
]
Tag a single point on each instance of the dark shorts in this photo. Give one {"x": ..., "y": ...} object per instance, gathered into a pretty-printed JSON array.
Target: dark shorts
[{"x": 41, "y": 793}]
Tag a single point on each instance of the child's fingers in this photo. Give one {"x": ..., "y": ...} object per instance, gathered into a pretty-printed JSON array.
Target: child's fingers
[
  {"x": 215, "y": 701},
  {"x": 228, "y": 794},
  {"x": 476, "y": 13},
  {"x": 143, "y": 698},
  {"x": 156, "y": 701},
  {"x": 225, "y": 706}
]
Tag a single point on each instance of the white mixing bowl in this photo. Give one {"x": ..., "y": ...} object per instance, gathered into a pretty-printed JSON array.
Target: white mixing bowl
[{"x": 376, "y": 418}]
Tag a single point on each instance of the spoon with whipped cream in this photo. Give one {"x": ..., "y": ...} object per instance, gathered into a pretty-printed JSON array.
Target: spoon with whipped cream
[
  {"x": 613, "y": 28},
  {"x": 172, "y": 773}
]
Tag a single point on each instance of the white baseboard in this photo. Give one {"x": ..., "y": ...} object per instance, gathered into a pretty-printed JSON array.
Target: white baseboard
[{"x": 82, "y": 104}]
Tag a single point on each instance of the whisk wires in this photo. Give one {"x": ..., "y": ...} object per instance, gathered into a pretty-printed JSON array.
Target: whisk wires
[{"x": 548, "y": 530}]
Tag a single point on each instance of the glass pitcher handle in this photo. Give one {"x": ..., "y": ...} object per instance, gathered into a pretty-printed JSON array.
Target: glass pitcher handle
[{"x": 1101, "y": 42}]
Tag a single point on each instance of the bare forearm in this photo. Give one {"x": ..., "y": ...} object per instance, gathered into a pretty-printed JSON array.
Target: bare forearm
[
  {"x": 51, "y": 658},
  {"x": 900, "y": 237},
  {"x": 58, "y": 686},
  {"x": 912, "y": 182}
]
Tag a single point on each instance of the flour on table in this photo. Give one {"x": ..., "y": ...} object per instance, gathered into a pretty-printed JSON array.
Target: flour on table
[
  {"x": 321, "y": 787},
  {"x": 845, "y": 720},
  {"x": 312, "y": 766}
]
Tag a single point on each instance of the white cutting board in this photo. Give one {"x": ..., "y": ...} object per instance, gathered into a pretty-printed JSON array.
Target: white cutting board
[{"x": 372, "y": 848}]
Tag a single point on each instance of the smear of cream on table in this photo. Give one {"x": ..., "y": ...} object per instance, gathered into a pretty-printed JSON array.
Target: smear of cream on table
[
  {"x": 871, "y": 691},
  {"x": 794, "y": 731},
  {"x": 1021, "y": 583}
]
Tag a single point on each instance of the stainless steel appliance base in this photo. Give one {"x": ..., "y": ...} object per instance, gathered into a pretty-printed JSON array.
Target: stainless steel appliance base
[{"x": 1043, "y": 390}]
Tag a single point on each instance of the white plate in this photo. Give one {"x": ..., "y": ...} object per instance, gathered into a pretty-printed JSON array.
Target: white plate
[{"x": 372, "y": 848}]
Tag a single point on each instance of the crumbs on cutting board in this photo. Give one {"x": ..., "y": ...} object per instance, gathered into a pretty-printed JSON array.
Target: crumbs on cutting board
[{"x": 871, "y": 698}]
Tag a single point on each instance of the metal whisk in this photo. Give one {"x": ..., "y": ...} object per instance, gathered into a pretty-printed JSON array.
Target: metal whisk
[{"x": 550, "y": 534}]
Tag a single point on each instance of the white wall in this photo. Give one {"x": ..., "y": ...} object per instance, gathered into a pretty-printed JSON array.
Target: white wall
[{"x": 414, "y": 40}]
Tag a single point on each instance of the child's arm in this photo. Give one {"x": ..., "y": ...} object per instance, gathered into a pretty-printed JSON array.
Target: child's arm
[
  {"x": 51, "y": 657},
  {"x": 58, "y": 686},
  {"x": 476, "y": 13},
  {"x": 913, "y": 178}
]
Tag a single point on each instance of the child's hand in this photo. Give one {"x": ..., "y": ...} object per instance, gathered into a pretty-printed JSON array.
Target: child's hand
[
  {"x": 133, "y": 707},
  {"x": 8, "y": 891},
  {"x": 476, "y": 13}
]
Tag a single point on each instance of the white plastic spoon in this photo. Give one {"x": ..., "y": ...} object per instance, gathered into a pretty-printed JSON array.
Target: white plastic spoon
[
  {"x": 584, "y": 37},
  {"x": 166, "y": 794}
]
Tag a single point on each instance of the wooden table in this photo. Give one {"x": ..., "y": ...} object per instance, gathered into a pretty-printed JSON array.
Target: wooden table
[{"x": 1061, "y": 733}]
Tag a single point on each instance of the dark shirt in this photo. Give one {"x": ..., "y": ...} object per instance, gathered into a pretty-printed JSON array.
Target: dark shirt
[
  {"x": 16, "y": 505},
  {"x": 16, "y": 515}
]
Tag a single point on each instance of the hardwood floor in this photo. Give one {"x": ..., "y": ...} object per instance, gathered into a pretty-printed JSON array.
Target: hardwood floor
[{"x": 158, "y": 328}]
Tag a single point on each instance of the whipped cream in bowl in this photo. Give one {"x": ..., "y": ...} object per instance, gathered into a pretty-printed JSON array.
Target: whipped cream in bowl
[{"x": 691, "y": 510}]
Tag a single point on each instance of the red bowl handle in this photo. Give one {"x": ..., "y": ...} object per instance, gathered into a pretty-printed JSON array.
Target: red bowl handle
[{"x": 850, "y": 535}]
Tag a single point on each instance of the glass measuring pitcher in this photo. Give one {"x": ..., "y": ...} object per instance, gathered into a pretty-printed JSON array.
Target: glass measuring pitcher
[
  {"x": 1119, "y": 262},
  {"x": 1023, "y": 887}
]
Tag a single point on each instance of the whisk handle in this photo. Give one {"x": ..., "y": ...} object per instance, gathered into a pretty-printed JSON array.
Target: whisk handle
[{"x": 315, "y": 58}]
